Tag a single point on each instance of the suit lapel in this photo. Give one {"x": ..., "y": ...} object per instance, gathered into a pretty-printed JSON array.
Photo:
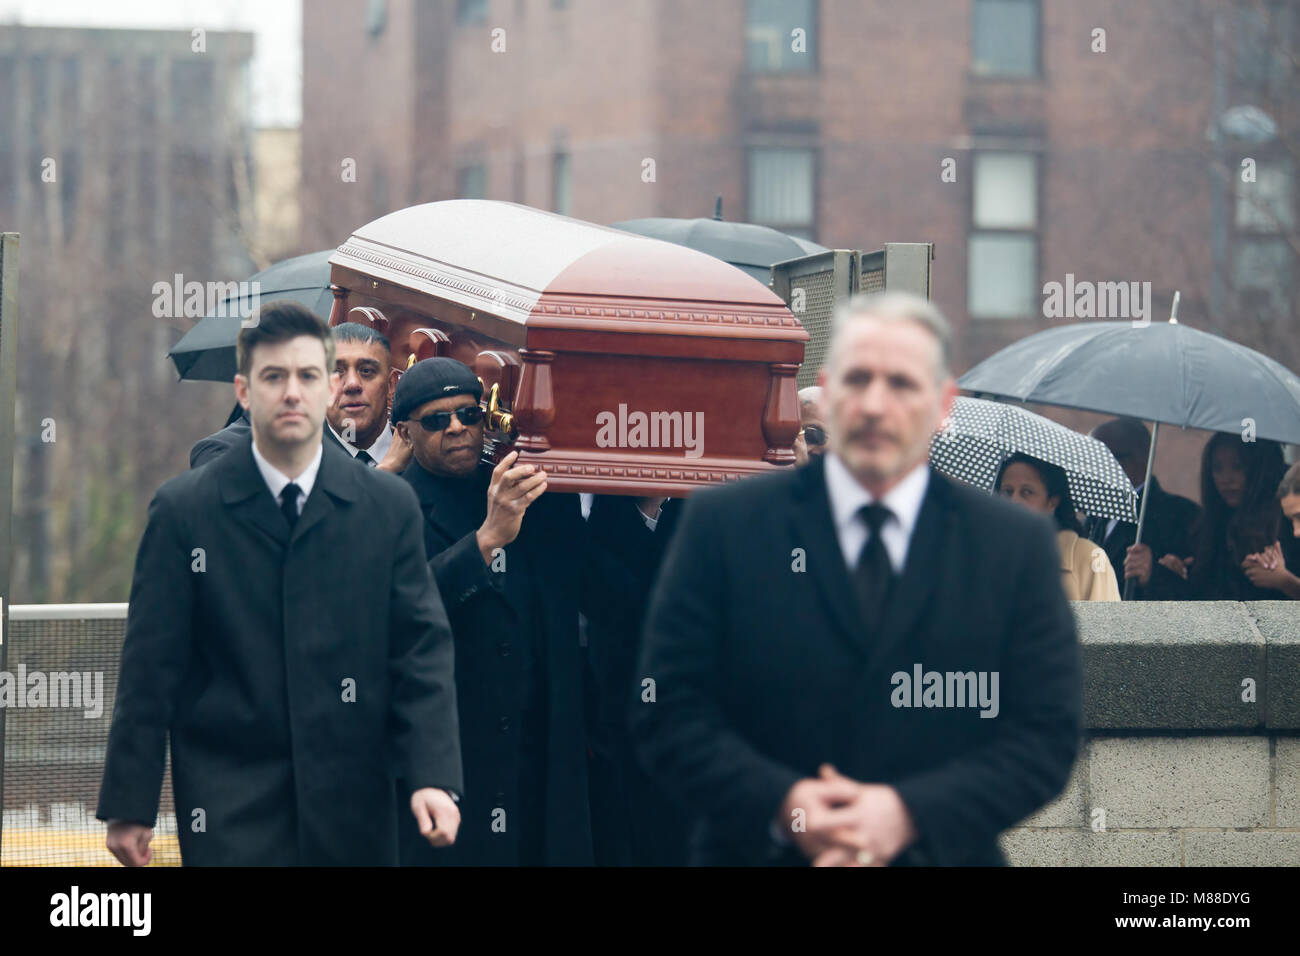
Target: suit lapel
[
  {"x": 813, "y": 529},
  {"x": 930, "y": 551},
  {"x": 244, "y": 492},
  {"x": 335, "y": 481}
]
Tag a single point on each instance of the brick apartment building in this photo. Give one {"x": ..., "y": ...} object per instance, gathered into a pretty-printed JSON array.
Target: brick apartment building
[{"x": 1028, "y": 139}]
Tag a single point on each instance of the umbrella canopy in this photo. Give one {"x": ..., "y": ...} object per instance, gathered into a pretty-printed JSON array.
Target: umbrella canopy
[
  {"x": 1163, "y": 372},
  {"x": 747, "y": 246},
  {"x": 979, "y": 435},
  {"x": 206, "y": 352}
]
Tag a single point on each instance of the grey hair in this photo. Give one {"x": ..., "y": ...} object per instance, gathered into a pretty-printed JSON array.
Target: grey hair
[
  {"x": 895, "y": 307},
  {"x": 810, "y": 395}
]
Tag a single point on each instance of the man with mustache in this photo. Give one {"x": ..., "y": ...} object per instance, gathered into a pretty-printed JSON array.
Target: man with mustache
[
  {"x": 793, "y": 608},
  {"x": 508, "y": 559}
]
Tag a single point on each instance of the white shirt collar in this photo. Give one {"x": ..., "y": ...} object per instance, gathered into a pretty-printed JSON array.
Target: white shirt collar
[
  {"x": 847, "y": 498},
  {"x": 376, "y": 451},
  {"x": 276, "y": 479}
]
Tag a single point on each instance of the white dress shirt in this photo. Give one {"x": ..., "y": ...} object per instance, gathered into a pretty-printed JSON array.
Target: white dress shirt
[
  {"x": 847, "y": 498},
  {"x": 276, "y": 479},
  {"x": 376, "y": 451}
]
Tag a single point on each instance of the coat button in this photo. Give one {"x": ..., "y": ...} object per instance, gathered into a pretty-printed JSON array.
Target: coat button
[
  {"x": 504, "y": 648},
  {"x": 504, "y": 724}
]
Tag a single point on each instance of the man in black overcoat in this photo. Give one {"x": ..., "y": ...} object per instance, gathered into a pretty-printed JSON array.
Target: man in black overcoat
[
  {"x": 508, "y": 560},
  {"x": 1169, "y": 520},
  {"x": 293, "y": 698},
  {"x": 633, "y": 822},
  {"x": 860, "y": 662}
]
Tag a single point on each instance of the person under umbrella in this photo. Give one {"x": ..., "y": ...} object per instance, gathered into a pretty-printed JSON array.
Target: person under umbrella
[
  {"x": 1240, "y": 526},
  {"x": 1042, "y": 487},
  {"x": 1168, "y": 521}
]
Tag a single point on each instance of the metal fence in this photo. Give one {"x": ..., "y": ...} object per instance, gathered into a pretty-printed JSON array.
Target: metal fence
[{"x": 61, "y": 673}]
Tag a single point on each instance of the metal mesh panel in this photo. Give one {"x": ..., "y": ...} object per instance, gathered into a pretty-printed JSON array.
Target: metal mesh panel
[
  {"x": 816, "y": 316},
  {"x": 54, "y": 752},
  {"x": 873, "y": 280}
]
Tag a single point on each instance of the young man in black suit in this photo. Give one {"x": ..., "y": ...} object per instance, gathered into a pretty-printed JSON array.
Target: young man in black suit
[
  {"x": 292, "y": 698},
  {"x": 859, "y": 662}
]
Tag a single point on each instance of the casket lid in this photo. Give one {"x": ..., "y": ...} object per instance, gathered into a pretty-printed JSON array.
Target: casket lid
[{"x": 540, "y": 269}]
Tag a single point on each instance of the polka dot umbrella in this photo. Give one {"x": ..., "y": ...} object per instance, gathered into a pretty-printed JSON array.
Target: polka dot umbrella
[{"x": 979, "y": 435}]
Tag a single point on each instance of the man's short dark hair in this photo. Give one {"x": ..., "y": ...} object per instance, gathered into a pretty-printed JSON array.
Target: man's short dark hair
[
  {"x": 1290, "y": 484},
  {"x": 281, "y": 321},
  {"x": 356, "y": 332}
]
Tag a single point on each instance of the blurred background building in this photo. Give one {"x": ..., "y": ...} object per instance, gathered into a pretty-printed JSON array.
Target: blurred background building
[{"x": 1029, "y": 140}]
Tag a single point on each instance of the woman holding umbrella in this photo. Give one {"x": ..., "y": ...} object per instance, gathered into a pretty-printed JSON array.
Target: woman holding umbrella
[
  {"x": 1239, "y": 529},
  {"x": 1041, "y": 486}
]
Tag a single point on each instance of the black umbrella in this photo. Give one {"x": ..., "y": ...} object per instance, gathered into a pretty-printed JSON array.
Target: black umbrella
[
  {"x": 749, "y": 247},
  {"x": 1163, "y": 372},
  {"x": 206, "y": 353}
]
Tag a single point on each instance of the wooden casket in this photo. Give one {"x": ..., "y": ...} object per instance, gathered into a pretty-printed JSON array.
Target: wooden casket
[{"x": 619, "y": 364}]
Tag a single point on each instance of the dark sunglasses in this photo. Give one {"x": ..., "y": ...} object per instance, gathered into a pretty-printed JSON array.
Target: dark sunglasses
[
  {"x": 814, "y": 435},
  {"x": 469, "y": 416}
]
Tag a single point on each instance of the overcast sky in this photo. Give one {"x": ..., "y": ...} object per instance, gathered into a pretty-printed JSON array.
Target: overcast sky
[{"x": 277, "y": 47}]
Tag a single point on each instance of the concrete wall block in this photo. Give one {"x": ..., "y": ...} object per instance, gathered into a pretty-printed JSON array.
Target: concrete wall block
[
  {"x": 1170, "y": 666},
  {"x": 1180, "y": 781},
  {"x": 1028, "y": 847},
  {"x": 1241, "y": 848}
]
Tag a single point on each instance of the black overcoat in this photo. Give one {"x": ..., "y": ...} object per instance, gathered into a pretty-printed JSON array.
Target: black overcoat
[
  {"x": 298, "y": 672},
  {"x": 489, "y": 627},
  {"x": 765, "y": 667}
]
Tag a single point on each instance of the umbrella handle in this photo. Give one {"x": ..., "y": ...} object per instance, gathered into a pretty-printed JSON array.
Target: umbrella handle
[{"x": 1142, "y": 508}]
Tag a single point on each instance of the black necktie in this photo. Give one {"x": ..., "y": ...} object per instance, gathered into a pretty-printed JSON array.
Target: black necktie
[
  {"x": 289, "y": 503},
  {"x": 874, "y": 575},
  {"x": 365, "y": 459}
]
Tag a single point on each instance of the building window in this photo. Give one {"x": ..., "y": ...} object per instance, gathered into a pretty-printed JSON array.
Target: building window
[
  {"x": 1267, "y": 204},
  {"x": 782, "y": 190},
  {"x": 780, "y": 36},
  {"x": 1005, "y": 38},
  {"x": 376, "y": 17},
  {"x": 471, "y": 182},
  {"x": 471, "y": 11},
  {"x": 560, "y": 183},
  {"x": 1263, "y": 277},
  {"x": 1263, "y": 263},
  {"x": 1002, "y": 265},
  {"x": 1265, "y": 34}
]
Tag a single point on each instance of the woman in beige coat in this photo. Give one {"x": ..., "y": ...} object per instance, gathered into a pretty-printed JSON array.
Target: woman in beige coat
[{"x": 1086, "y": 572}]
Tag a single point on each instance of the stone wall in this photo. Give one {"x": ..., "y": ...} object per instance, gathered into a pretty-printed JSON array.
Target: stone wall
[{"x": 1192, "y": 749}]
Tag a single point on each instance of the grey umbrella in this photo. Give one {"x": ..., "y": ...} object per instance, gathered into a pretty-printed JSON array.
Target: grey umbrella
[
  {"x": 1163, "y": 372},
  {"x": 749, "y": 247},
  {"x": 980, "y": 435}
]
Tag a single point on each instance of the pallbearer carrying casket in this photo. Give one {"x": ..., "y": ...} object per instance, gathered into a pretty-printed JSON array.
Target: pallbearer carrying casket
[{"x": 508, "y": 559}]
